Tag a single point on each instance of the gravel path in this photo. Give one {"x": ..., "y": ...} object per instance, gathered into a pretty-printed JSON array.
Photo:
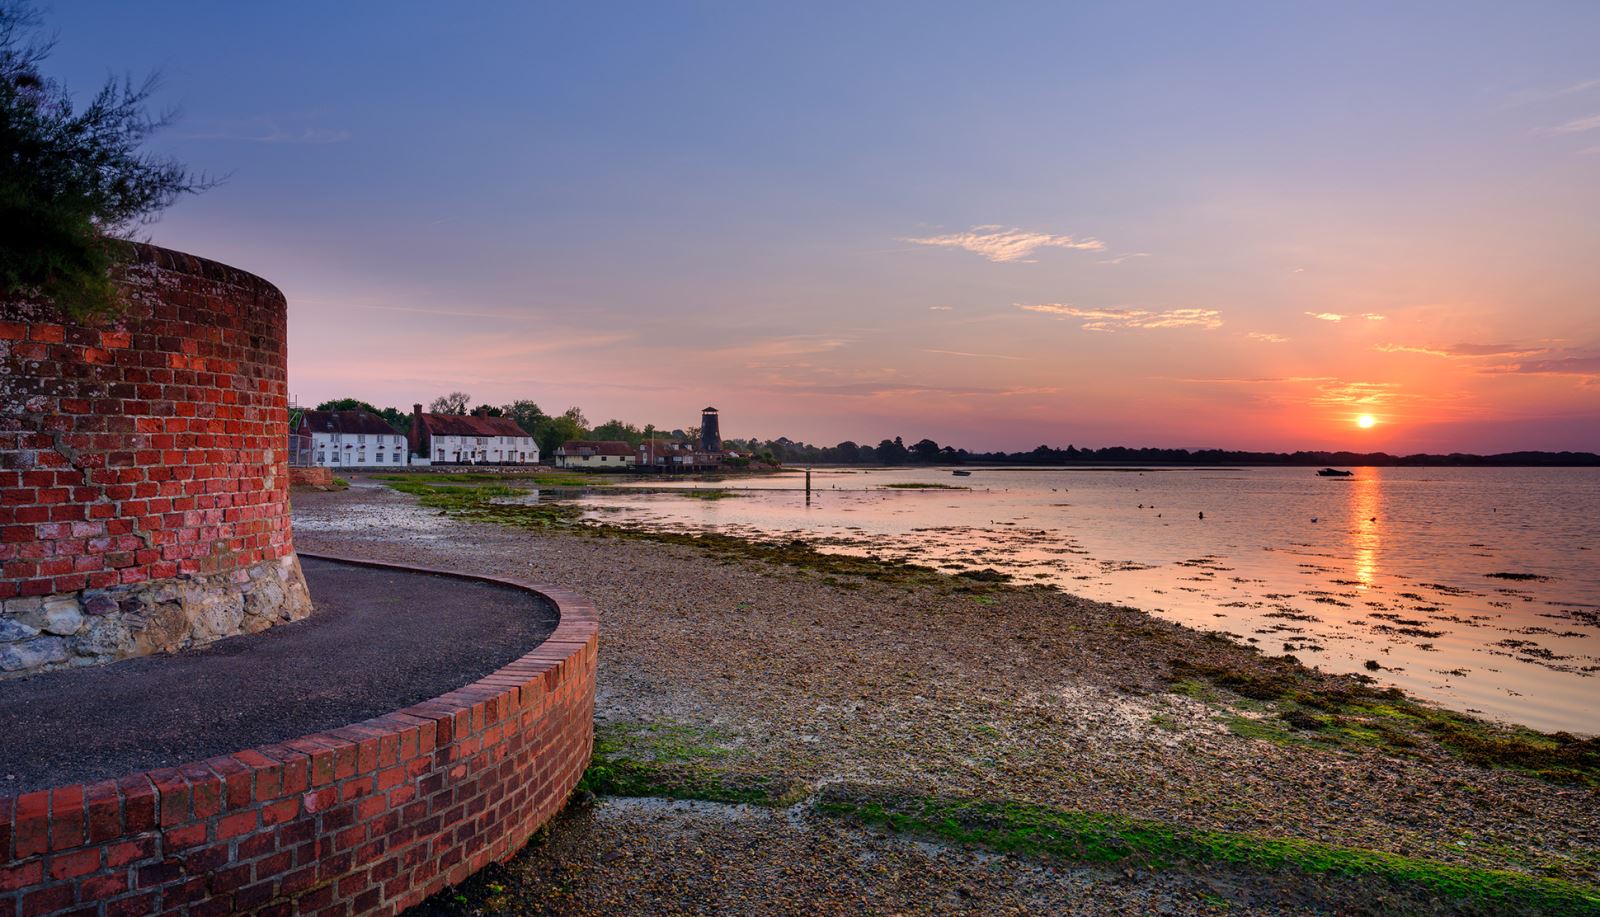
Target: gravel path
[
  {"x": 1032, "y": 695},
  {"x": 378, "y": 641}
]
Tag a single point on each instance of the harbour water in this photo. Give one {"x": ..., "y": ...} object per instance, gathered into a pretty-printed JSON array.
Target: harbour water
[{"x": 1477, "y": 588}]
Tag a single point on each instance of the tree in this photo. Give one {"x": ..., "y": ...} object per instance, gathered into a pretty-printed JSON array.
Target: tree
[
  {"x": 559, "y": 430},
  {"x": 73, "y": 184},
  {"x": 527, "y": 415},
  {"x": 617, "y": 430},
  {"x": 453, "y": 403},
  {"x": 400, "y": 422},
  {"x": 347, "y": 404},
  {"x": 926, "y": 450}
]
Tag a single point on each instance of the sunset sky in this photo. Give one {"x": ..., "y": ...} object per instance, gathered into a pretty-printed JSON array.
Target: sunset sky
[{"x": 998, "y": 225}]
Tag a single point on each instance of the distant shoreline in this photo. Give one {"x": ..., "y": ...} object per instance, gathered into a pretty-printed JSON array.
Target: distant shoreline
[{"x": 1262, "y": 460}]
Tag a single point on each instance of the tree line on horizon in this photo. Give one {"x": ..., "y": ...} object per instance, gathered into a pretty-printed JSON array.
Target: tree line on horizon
[{"x": 551, "y": 430}]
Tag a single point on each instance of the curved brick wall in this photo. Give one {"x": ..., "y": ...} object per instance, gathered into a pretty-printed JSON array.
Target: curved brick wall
[
  {"x": 143, "y": 476},
  {"x": 368, "y": 819}
]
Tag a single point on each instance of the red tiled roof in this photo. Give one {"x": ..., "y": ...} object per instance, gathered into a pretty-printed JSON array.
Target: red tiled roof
[
  {"x": 470, "y": 425},
  {"x": 344, "y": 422},
  {"x": 595, "y": 447}
]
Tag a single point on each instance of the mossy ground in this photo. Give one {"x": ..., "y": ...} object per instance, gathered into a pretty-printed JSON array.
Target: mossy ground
[
  {"x": 1285, "y": 708},
  {"x": 536, "y": 478},
  {"x": 671, "y": 760},
  {"x": 1112, "y": 840}
]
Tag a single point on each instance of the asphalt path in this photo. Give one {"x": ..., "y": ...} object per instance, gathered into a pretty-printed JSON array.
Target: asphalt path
[{"x": 379, "y": 640}]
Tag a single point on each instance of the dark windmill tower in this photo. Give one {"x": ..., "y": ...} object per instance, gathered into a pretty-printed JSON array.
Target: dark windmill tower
[{"x": 710, "y": 433}]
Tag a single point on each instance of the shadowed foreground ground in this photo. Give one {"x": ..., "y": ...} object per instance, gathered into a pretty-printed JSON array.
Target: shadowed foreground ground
[{"x": 378, "y": 641}]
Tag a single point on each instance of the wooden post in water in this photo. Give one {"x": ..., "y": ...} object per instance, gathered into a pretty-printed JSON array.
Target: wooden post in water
[{"x": 808, "y": 485}]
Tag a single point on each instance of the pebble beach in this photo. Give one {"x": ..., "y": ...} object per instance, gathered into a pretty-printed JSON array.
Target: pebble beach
[{"x": 724, "y": 676}]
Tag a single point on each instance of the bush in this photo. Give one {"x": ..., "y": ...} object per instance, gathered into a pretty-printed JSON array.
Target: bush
[{"x": 73, "y": 184}]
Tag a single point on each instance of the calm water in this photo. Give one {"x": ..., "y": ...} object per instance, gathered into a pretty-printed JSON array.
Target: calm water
[{"x": 1393, "y": 566}]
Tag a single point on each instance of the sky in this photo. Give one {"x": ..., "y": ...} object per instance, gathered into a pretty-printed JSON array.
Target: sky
[{"x": 1234, "y": 225}]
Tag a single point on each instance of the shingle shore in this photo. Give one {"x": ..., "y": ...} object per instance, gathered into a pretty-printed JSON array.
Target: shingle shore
[{"x": 1027, "y": 695}]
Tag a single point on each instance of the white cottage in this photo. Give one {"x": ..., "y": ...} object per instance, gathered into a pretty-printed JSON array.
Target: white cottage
[
  {"x": 471, "y": 439},
  {"x": 350, "y": 439},
  {"x": 604, "y": 455}
]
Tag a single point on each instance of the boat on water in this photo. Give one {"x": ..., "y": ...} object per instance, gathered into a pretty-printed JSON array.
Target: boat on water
[
  {"x": 962, "y": 474},
  {"x": 1335, "y": 473}
]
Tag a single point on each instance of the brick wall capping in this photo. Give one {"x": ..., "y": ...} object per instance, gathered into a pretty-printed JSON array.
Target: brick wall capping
[{"x": 370, "y": 817}]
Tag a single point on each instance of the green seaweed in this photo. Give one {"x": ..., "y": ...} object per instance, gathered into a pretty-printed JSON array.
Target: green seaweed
[
  {"x": 668, "y": 760},
  {"x": 536, "y": 478},
  {"x": 1114, "y": 840},
  {"x": 1073, "y": 836},
  {"x": 706, "y": 494},
  {"x": 1357, "y": 714}
]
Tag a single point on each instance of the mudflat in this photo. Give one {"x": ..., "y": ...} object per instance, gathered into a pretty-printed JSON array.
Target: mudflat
[{"x": 826, "y": 710}]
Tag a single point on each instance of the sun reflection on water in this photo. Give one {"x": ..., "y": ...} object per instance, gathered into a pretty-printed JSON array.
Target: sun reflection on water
[{"x": 1366, "y": 540}]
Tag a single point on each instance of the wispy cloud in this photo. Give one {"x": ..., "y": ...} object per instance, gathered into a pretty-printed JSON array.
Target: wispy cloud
[
  {"x": 419, "y": 310},
  {"x": 759, "y": 352},
  {"x": 1121, "y": 258},
  {"x": 889, "y": 388},
  {"x": 940, "y": 308},
  {"x": 1460, "y": 351},
  {"x": 1531, "y": 96},
  {"x": 1266, "y": 337},
  {"x": 1327, "y": 316},
  {"x": 267, "y": 130},
  {"x": 1122, "y": 319},
  {"x": 1588, "y": 365},
  {"x": 1373, "y": 316},
  {"x": 1577, "y": 125},
  {"x": 963, "y": 353},
  {"x": 1359, "y": 394},
  {"x": 1261, "y": 380},
  {"x": 1003, "y": 245}
]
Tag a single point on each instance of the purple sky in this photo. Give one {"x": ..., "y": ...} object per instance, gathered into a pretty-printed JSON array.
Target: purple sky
[{"x": 1143, "y": 224}]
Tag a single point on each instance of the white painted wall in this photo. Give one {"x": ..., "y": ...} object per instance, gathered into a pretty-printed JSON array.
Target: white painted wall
[
  {"x": 594, "y": 461},
  {"x": 359, "y": 450},
  {"x": 485, "y": 450}
]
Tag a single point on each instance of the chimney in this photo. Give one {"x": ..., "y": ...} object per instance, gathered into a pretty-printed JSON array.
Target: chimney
[{"x": 416, "y": 430}]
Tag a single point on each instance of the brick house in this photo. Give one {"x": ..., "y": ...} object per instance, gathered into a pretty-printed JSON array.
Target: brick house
[{"x": 672, "y": 455}]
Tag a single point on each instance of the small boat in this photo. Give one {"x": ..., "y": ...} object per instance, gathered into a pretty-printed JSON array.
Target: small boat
[
  {"x": 1335, "y": 473},
  {"x": 962, "y": 474}
]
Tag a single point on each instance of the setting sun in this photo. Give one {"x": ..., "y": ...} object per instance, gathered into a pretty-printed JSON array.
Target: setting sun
[{"x": 1366, "y": 421}]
